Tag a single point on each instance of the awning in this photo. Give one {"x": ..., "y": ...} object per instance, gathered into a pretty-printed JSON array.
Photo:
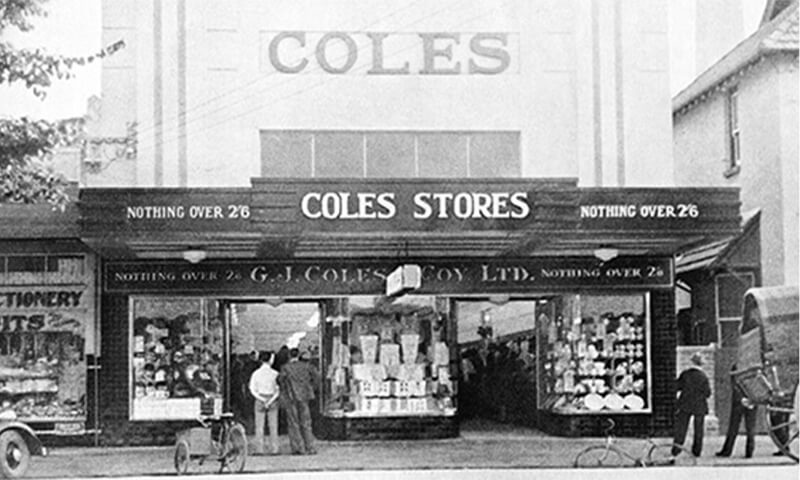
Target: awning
[
  {"x": 714, "y": 254},
  {"x": 334, "y": 218}
]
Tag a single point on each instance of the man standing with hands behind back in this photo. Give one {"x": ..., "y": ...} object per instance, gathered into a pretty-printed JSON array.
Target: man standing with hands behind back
[
  {"x": 298, "y": 381},
  {"x": 264, "y": 387},
  {"x": 693, "y": 392}
]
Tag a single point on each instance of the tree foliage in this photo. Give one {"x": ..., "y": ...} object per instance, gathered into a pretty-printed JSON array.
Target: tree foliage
[{"x": 25, "y": 143}]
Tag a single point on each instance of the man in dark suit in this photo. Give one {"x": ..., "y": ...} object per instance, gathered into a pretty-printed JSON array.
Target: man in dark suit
[
  {"x": 693, "y": 392},
  {"x": 740, "y": 407},
  {"x": 297, "y": 381}
]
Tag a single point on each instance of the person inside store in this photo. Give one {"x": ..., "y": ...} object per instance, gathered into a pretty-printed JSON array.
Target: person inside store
[
  {"x": 204, "y": 379},
  {"x": 355, "y": 355},
  {"x": 263, "y": 386},
  {"x": 281, "y": 358},
  {"x": 741, "y": 408},
  {"x": 297, "y": 381},
  {"x": 693, "y": 392},
  {"x": 249, "y": 365},
  {"x": 182, "y": 371}
]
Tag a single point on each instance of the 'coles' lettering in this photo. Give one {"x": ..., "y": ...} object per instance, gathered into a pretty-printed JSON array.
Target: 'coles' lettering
[{"x": 443, "y": 53}]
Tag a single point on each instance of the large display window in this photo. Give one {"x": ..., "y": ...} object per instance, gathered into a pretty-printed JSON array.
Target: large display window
[
  {"x": 388, "y": 357},
  {"x": 594, "y": 354},
  {"x": 46, "y": 312},
  {"x": 176, "y": 358}
]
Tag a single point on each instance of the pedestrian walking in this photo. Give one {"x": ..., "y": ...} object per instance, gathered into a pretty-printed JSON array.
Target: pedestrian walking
[
  {"x": 741, "y": 408},
  {"x": 264, "y": 388},
  {"x": 297, "y": 381},
  {"x": 693, "y": 392}
]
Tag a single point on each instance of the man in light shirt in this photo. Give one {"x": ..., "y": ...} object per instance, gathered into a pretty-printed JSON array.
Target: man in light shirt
[{"x": 264, "y": 387}]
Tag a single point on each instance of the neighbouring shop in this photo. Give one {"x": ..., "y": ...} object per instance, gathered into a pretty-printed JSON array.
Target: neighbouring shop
[
  {"x": 47, "y": 321},
  {"x": 374, "y": 280}
]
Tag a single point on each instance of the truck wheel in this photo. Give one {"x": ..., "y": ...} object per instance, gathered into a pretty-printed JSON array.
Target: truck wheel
[{"x": 14, "y": 454}]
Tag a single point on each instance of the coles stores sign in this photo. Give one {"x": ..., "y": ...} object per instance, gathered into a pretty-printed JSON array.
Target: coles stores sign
[{"x": 370, "y": 205}]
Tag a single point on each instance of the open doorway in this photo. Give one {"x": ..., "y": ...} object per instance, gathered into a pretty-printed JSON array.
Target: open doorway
[
  {"x": 497, "y": 346},
  {"x": 267, "y": 325}
]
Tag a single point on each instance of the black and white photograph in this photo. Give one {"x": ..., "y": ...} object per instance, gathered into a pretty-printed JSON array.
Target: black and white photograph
[{"x": 399, "y": 239}]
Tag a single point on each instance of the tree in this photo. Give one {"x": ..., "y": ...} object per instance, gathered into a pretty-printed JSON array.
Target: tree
[{"x": 25, "y": 143}]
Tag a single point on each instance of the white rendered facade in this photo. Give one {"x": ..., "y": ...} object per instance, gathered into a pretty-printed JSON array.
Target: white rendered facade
[{"x": 583, "y": 85}]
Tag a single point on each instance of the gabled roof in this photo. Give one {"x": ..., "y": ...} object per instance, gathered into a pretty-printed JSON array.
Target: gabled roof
[
  {"x": 779, "y": 34},
  {"x": 711, "y": 255}
]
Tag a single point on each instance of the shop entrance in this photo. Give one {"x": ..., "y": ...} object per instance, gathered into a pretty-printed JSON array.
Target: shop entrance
[
  {"x": 266, "y": 325},
  {"x": 497, "y": 346}
]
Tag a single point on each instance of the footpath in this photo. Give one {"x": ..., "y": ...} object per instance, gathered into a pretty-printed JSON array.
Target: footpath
[{"x": 499, "y": 449}]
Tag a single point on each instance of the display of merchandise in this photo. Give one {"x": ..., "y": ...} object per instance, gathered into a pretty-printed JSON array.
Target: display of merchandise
[
  {"x": 594, "y": 364},
  {"x": 398, "y": 363},
  {"x": 175, "y": 358},
  {"x": 43, "y": 375}
]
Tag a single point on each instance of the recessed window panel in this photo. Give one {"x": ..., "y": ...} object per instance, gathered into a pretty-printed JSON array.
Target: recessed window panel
[
  {"x": 390, "y": 155},
  {"x": 442, "y": 155},
  {"x": 285, "y": 154},
  {"x": 339, "y": 155},
  {"x": 494, "y": 155}
]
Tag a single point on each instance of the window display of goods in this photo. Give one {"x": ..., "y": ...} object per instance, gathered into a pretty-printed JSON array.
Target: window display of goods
[
  {"x": 388, "y": 359},
  {"x": 593, "y": 362},
  {"x": 31, "y": 409}
]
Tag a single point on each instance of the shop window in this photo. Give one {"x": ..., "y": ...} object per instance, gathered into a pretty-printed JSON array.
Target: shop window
[
  {"x": 176, "y": 360},
  {"x": 594, "y": 354},
  {"x": 43, "y": 373},
  {"x": 388, "y": 357}
]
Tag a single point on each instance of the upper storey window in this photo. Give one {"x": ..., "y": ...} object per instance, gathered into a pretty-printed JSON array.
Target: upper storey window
[
  {"x": 734, "y": 132},
  {"x": 390, "y": 154}
]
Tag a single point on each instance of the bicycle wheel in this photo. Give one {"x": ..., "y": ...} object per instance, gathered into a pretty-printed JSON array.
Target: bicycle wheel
[
  {"x": 597, "y": 457},
  {"x": 181, "y": 456},
  {"x": 661, "y": 455},
  {"x": 235, "y": 449}
]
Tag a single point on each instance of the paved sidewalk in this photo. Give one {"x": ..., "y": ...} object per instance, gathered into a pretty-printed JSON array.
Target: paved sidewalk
[{"x": 511, "y": 449}]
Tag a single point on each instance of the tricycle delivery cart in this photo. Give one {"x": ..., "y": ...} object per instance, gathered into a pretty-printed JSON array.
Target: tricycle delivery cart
[
  {"x": 218, "y": 438},
  {"x": 768, "y": 359}
]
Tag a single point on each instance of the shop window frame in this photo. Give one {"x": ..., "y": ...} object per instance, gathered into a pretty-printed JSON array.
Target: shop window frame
[
  {"x": 648, "y": 410},
  {"x": 47, "y": 278},
  {"x": 130, "y": 354},
  {"x": 332, "y": 306}
]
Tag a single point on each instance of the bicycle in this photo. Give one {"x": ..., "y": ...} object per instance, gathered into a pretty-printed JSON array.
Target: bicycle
[
  {"x": 654, "y": 454},
  {"x": 219, "y": 438}
]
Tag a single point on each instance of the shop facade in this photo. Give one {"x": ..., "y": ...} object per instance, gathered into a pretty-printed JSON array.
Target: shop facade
[
  {"x": 383, "y": 275},
  {"x": 48, "y": 311}
]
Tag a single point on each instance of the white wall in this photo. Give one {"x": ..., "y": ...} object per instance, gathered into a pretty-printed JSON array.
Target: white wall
[
  {"x": 588, "y": 83},
  {"x": 768, "y": 176}
]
